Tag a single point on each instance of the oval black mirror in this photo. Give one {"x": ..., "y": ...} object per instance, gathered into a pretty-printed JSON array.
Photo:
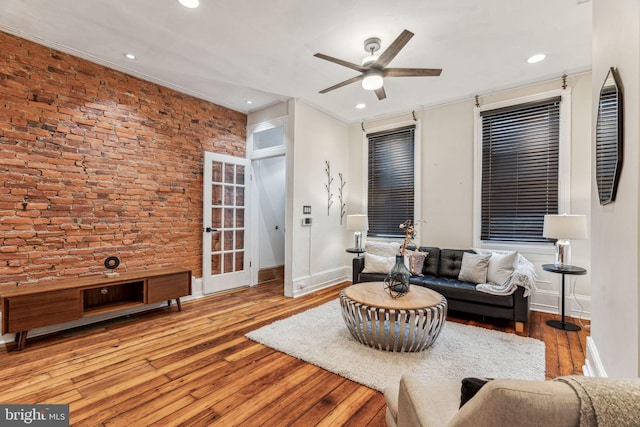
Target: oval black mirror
[{"x": 609, "y": 138}]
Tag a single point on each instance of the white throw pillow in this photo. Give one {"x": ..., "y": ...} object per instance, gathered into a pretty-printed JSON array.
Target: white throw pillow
[
  {"x": 501, "y": 267},
  {"x": 385, "y": 249},
  {"x": 378, "y": 264},
  {"x": 474, "y": 268}
]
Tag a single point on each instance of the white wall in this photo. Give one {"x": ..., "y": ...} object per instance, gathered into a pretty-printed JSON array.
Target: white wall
[
  {"x": 447, "y": 180},
  {"x": 317, "y": 252},
  {"x": 613, "y": 345}
]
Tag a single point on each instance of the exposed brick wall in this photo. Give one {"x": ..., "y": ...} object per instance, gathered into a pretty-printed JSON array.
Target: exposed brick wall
[{"x": 94, "y": 162}]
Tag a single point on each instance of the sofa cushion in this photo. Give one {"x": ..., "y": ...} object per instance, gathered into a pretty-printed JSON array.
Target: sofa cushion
[
  {"x": 507, "y": 403},
  {"x": 474, "y": 268},
  {"x": 433, "y": 260},
  {"x": 372, "y": 277},
  {"x": 501, "y": 267},
  {"x": 426, "y": 403},
  {"x": 450, "y": 262},
  {"x": 464, "y": 291}
]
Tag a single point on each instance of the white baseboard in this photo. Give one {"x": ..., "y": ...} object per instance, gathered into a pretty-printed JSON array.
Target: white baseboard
[
  {"x": 577, "y": 306},
  {"x": 593, "y": 365},
  {"x": 307, "y": 284}
]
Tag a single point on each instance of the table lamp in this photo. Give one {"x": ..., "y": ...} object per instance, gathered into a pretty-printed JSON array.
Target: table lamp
[
  {"x": 357, "y": 223},
  {"x": 564, "y": 227}
]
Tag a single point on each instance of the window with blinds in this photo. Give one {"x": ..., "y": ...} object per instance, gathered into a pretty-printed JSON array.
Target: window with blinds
[
  {"x": 520, "y": 155},
  {"x": 391, "y": 181}
]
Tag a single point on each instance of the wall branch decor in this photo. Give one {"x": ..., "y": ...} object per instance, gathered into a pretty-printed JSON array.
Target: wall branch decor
[
  {"x": 327, "y": 169},
  {"x": 343, "y": 205}
]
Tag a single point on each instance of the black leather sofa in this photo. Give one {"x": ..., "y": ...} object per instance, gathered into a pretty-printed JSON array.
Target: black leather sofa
[{"x": 441, "y": 269}]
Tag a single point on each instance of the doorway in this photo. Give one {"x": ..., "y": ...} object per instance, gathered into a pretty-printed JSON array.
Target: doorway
[
  {"x": 267, "y": 152},
  {"x": 270, "y": 185}
]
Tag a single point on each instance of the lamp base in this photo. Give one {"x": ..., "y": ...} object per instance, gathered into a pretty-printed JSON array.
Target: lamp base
[
  {"x": 565, "y": 326},
  {"x": 357, "y": 240},
  {"x": 563, "y": 252}
]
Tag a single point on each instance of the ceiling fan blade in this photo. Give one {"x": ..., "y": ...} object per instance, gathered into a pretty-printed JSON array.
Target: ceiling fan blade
[
  {"x": 412, "y": 72},
  {"x": 381, "y": 94},
  {"x": 344, "y": 83},
  {"x": 387, "y": 56},
  {"x": 340, "y": 62}
]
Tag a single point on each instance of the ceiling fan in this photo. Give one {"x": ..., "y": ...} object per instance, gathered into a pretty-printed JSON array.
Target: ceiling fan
[{"x": 374, "y": 69}]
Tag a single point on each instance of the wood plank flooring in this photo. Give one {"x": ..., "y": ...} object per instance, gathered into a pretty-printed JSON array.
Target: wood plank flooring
[{"x": 195, "y": 368}]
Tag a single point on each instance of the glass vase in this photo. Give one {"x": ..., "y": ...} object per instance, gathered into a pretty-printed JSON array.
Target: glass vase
[{"x": 397, "y": 281}]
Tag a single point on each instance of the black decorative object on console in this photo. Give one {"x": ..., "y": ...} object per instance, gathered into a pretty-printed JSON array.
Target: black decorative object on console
[{"x": 111, "y": 263}]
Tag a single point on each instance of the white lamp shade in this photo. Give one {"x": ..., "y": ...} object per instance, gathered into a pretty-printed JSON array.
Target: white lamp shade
[
  {"x": 565, "y": 227},
  {"x": 358, "y": 222}
]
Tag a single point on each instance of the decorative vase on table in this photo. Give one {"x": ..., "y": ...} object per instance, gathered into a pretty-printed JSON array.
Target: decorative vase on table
[{"x": 397, "y": 281}]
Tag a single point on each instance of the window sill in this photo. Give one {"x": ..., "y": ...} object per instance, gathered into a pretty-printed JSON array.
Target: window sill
[{"x": 536, "y": 248}]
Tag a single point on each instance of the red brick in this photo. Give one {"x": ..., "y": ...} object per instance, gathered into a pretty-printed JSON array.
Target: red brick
[{"x": 103, "y": 169}]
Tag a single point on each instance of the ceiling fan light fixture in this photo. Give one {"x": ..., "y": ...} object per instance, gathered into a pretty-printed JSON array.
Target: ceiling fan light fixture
[{"x": 372, "y": 80}]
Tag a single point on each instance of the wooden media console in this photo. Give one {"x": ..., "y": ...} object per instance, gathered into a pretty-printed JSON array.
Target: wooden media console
[{"x": 35, "y": 305}]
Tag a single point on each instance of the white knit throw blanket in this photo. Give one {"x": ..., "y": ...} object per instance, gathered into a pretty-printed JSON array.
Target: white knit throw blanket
[
  {"x": 524, "y": 275},
  {"x": 606, "y": 401}
]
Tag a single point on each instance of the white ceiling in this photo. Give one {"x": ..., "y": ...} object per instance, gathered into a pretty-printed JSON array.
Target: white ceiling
[{"x": 229, "y": 51}]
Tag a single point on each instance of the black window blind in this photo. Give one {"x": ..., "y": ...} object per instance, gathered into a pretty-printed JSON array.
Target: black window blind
[
  {"x": 520, "y": 155},
  {"x": 391, "y": 181}
]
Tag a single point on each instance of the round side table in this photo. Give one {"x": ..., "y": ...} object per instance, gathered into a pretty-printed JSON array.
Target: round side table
[
  {"x": 564, "y": 270},
  {"x": 355, "y": 250}
]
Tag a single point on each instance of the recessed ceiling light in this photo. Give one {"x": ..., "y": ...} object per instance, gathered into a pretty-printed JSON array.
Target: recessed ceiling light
[
  {"x": 130, "y": 56},
  {"x": 360, "y": 106},
  {"x": 191, "y": 4},
  {"x": 248, "y": 101},
  {"x": 536, "y": 58}
]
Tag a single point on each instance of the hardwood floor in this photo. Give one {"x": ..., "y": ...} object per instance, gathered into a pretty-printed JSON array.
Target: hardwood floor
[{"x": 196, "y": 368}]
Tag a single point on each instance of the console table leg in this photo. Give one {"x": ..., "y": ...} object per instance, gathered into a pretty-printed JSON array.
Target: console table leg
[
  {"x": 21, "y": 339},
  {"x": 177, "y": 303}
]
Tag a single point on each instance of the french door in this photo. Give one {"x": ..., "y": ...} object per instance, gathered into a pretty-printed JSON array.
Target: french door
[{"x": 225, "y": 237}]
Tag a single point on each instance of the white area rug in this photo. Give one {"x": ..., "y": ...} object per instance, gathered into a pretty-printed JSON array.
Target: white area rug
[{"x": 320, "y": 337}]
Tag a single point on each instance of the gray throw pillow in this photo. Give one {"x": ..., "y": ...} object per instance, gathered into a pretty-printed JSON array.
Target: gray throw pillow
[
  {"x": 474, "y": 268},
  {"x": 416, "y": 262}
]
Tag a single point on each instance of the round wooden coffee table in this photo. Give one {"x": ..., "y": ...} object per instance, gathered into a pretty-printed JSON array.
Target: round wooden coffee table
[{"x": 407, "y": 324}]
